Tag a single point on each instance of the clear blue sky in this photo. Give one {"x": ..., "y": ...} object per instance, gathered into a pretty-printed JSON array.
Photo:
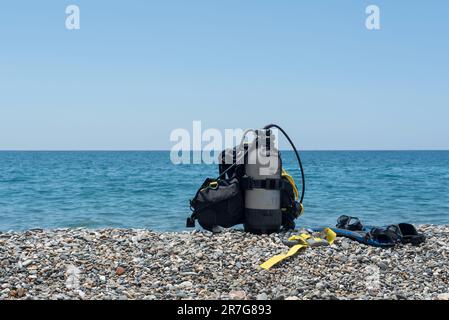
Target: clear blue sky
[{"x": 138, "y": 69}]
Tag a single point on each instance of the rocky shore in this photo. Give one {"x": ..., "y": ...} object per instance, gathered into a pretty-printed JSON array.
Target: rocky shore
[{"x": 141, "y": 264}]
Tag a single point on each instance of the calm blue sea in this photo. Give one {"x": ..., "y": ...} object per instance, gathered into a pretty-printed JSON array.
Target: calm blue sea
[{"x": 145, "y": 190}]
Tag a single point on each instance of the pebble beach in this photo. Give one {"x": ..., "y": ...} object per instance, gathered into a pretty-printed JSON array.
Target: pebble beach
[{"x": 141, "y": 264}]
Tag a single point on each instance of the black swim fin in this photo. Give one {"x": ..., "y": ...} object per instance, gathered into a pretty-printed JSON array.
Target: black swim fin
[{"x": 409, "y": 234}]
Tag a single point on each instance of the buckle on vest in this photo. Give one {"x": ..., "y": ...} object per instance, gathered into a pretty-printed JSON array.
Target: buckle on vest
[
  {"x": 272, "y": 184},
  {"x": 190, "y": 223},
  {"x": 247, "y": 183}
]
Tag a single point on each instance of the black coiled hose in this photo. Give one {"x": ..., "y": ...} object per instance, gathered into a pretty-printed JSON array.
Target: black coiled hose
[{"x": 303, "y": 180}]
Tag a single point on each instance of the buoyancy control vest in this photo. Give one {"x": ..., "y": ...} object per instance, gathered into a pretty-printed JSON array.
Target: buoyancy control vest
[
  {"x": 217, "y": 203},
  {"x": 268, "y": 198}
]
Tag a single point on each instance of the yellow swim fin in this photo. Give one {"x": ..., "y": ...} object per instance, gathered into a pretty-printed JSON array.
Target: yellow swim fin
[{"x": 304, "y": 240}]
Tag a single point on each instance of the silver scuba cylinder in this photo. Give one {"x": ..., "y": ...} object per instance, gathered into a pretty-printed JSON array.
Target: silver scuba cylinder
[{"x": 263, "y": 169}]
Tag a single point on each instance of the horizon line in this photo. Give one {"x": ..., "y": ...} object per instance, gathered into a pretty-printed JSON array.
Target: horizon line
[{"x": 167, "y": 150}]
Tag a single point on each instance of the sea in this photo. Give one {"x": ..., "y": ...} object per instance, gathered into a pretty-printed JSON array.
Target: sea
[{"x": 108, "y": 189}]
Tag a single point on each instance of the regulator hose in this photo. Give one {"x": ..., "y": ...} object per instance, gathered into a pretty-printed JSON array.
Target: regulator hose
[{"x": 303, "y": 180}]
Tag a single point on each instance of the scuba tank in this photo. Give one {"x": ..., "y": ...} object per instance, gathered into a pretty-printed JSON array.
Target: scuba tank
[{"x": 262, "y": 184}]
